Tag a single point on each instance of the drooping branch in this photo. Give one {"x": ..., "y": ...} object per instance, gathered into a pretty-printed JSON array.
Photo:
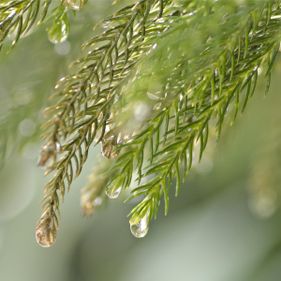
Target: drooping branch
[
  {"x": 200, "y": 92},
  {"x": 150, "y": 88},
  {"x": 85, "y": 98}
]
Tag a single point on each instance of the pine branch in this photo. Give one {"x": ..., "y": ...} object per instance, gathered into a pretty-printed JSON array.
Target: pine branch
[
  {"x": 190, "y": 106},
  {"x": 18, "y": 17},
  {"x": 85, "y": 98},
  {"x": 175, "y": 103},
  {"x": 100, "y": 74}
]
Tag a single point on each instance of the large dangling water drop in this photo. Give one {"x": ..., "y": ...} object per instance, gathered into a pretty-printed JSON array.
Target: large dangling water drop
[
  {"x": 113, "y": 193},
  {"x": 45, "y": 234},
  {"x": 59, "y": 30},
  {"x": 139, "y": 227}
]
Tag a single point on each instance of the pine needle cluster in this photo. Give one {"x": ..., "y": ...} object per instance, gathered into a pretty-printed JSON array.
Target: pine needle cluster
[{"x": 149, "y": 89}]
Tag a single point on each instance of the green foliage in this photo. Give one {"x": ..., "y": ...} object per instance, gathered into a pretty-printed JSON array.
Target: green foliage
[
  {"x": 85, "y": 97},
  {"x": 18, "y": 17},
  {"x": 210, "y": 80},
  {"x": 149, "y": 88}
]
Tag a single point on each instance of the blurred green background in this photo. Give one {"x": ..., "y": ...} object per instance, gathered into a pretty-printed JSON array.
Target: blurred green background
[{"x": 225, "y": 225}]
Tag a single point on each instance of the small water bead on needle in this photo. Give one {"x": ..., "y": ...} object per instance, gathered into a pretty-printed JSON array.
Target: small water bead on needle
[
  {"x": 108, "y": 148},
  {"x": 60, "y": 83},
  {"x": 75, "y": 5},
  {"x": 109, "y": 143},
  {"x": 139, "y": 226},
  {"x": 113, "y": 192},
  {"x": 48, "y": 154}
]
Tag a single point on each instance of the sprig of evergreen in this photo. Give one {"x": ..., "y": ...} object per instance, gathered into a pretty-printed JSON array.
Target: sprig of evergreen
[
  {"x": 18, "y": 17},
  {"x": 220, "y": 77},
  {"x": 150, "y": 88},
  {"x": 85, "y": 98}
]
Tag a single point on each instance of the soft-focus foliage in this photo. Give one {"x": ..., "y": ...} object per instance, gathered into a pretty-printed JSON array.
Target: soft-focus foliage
[{"x": 153, "y": 87}]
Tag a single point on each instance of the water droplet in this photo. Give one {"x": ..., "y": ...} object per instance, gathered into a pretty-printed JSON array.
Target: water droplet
[
  {"x": 49, "y": 152},
  {"x": 139, "y": 226},
  {"x": 113, "y": 193},
  {"x": 60, "y": 83},
  {"x": 108, "y": 149},
  {"x": 154, "y": 46},
  {"x": 45, "y": 233},
  {"x": 59, "y": 30},
  {"x": 75, "y": 5}
]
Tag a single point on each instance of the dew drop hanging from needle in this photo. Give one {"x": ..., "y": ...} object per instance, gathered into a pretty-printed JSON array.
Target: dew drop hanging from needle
[
  {"x": 59, "y": 30},
  {"x": 112, "y": 192},
  {"x": 139, "y": 226},
  {"x": 108, "y": 148},
  {"x": 45, "y": 232}
]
